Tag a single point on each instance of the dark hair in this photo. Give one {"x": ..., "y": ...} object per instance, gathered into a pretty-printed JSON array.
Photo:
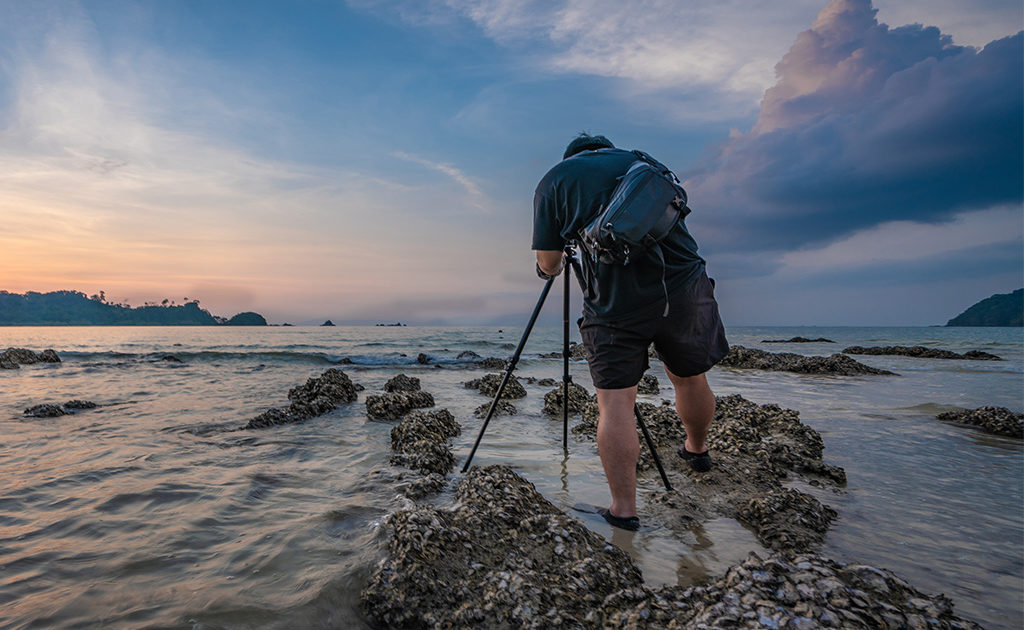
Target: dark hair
[{"x": 586, "y": 142}]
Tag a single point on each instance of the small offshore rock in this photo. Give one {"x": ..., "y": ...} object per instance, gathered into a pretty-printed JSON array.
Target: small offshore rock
[
  {"x": 468, "y": 354},
  {"x": 13, "y": 358},
  {"x": 394, "y": 405},
  {"x": 79, "y": 404},
  {"x": 922, "y": 352},
  {"x": 648, "y": 385},
  {"x": 492, "y": 363},
  {"x": 170, "y": 358},
  {"x": 402, "y": 383},
  {"x": 839, "y": 364},
  {"x": 798, "y": 340},
  {"x": 504, "y": 408},
  {"x": 45, "y": 410},
  {"x": 423, "y": 359},
  {"x": 489, "y": 383},
  {"x": 996, "y": 420},
  {"x": 317, "y": 396},
  {"x": 578, "y": 399},
  {"x": 547, "y": 382}
]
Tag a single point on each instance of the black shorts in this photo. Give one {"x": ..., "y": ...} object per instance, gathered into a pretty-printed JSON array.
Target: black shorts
[{"x": 689, "y": 340}]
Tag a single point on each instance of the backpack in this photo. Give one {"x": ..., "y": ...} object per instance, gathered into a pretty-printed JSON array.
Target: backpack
[{"x": 644, "y": 207}]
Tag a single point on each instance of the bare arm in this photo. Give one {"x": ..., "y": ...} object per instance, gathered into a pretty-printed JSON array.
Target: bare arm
[{"x": 549, "y": 261}]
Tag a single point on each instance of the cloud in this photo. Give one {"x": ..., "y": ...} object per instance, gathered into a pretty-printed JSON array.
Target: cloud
[
  {"x": 866, "y": 125},
  {"x": 476, "y": 196}
]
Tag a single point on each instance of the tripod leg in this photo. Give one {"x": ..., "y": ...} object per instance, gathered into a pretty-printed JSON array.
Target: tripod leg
[
  {"x": 508, "y": 371},
  {"x": 650, "y": 445},
  {"x": 565, "y": 361}
]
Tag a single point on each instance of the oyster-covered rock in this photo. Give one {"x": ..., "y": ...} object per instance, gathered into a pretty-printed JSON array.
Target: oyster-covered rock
[
  {"x": 754, "y": 448},
  {"x": 839, "y": 364},
  {"x": 402, "y": 383},
  {"x": 997, "y": 420},
  {"x": 492, "y": 363},
  {"x": 578, "y": 399},
  {"x": 648, "y": 385},
  {"x": 421, "y": 441},
  {"x": 922, "y": 352},
  {"x": 13, "y": 358},
  {"x": 504, "y": 408},
  {"x": 488, "y": 385},
  {"x": 45, "y": 410},
  {"x": 394, "y": 405},
  {"x": 317, "y": 396},
  {"x": 503, "y": 557}
]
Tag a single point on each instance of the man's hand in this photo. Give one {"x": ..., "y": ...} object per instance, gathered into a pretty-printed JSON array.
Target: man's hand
[{"x": 549, "y": 263}]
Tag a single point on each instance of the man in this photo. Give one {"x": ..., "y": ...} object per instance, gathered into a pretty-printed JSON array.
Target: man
[{"x": 626, "y": 308}]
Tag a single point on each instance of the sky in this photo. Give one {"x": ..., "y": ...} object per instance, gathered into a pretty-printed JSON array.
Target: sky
[{"x": 847, "y": 162}]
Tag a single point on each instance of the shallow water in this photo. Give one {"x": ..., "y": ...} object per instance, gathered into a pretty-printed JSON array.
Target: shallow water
[{"x": 151, "y": 511}]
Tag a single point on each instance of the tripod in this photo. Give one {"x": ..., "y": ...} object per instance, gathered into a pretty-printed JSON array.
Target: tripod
[{"x": 570, "y": 261}]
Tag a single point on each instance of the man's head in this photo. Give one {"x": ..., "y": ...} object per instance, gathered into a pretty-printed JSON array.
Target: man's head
[{"x": 586, "y": 142}]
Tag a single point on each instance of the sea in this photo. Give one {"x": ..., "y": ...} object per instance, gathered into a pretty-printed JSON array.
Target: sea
[{"x": 154, "y": 511}]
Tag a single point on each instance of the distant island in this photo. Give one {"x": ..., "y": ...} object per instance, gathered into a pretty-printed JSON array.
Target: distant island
[
  {"x": 395, "y": 324},
  {"x": 74, "y": 308},
  {"x": 1001, "y": 309}
]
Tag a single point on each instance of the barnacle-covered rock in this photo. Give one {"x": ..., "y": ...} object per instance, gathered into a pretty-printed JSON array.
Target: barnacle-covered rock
[
  {"x": 13, "y": 358},
  {"x": 503, "y": 557},
  {"x": 421, "y": 441},
  {"x": 922, "y": 352},
  {"x": 315, "y": 397},
  {"x": 489, "y": 383},
  {"x": 504, "y": 408},
  {"x": 79, "y": 404},
  {"x": 997, "y": 420},
  {"x": 754, "y": 448},
  {"x": 402, "y": 383},
  {"x": 45, "y": 410},
  {"x": 839, "y": 364},
  {"x": 578, "y": 398},
  {"x": 394, "y": 405},
  {"x": 648, "y": 385},
  {"x": 803, "y": 591},
  {"x": 492, "y": 363},
  {"x": 783, "y": 515}
]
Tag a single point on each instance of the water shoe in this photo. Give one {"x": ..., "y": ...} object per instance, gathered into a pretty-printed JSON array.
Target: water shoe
[{"x": 701, "y": 462}]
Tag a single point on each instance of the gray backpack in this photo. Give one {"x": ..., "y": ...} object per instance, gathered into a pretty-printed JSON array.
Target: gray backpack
[{"x": 644, "y": 207}]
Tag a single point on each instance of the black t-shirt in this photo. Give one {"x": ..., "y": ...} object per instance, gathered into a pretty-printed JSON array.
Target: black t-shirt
[{"x": 568, "y": 198}]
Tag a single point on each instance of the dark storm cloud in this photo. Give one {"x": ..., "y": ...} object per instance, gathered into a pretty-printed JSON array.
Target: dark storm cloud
[{"x": 868, "y": 124}]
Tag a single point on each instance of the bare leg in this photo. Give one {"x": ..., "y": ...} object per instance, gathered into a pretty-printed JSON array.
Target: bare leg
[
  {"x": 695, "y": 405},
  {"x": 619, "y": 447}
]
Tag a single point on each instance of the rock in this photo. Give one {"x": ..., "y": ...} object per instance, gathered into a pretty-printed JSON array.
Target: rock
[
  {"x": 170, "y": 358},
  {"x": 468, "y": 354},
  {"x": 839, "y": 364},
  {"x": 492, "y": 363},
  {"x": 503, "y": 557},
  {"x": 79, "y": 404},
  {"x": 13, "y": 358},
  {"x": 547, "y": 382},
  {"x": 420, "y": 441},
  {"x": 248, "y": 318},
  {"x": 402, "y": 383},
  {"x": 488, "y": 385},
  {"x": 422, "y": 359},
  {"x": 577, "y": 352},
  {"x": 648, "y": 385},
  {"x": 754, "y": 449},
  {"x": 578, "y": 399},
  {"x": 782, "y": 514},
  {"x": 504, "y": 408},
  {"x": 922, "y": 353},
  {"x": 394, "y": 405},
  {"x": 327, "y": 323},
  {"x": 1001, "y": 309},
  {"x": 49, "y": 356},
  {"x": 997, "y": 420},
  {"x": 798, "y": 340},
  {"x": 45, "y": 410},
  {"x": 317, "y": 396}
]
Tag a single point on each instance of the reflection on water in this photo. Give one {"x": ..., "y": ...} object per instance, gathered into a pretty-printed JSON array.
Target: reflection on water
[{"x": 152, "y": 511}]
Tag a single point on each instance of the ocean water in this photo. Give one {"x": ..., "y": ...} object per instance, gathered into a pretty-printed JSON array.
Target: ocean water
[{"x": 153, "y": 511}]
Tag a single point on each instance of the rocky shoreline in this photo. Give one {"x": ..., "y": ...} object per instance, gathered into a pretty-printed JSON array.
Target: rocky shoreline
[{"x": 922, "y": 352}]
